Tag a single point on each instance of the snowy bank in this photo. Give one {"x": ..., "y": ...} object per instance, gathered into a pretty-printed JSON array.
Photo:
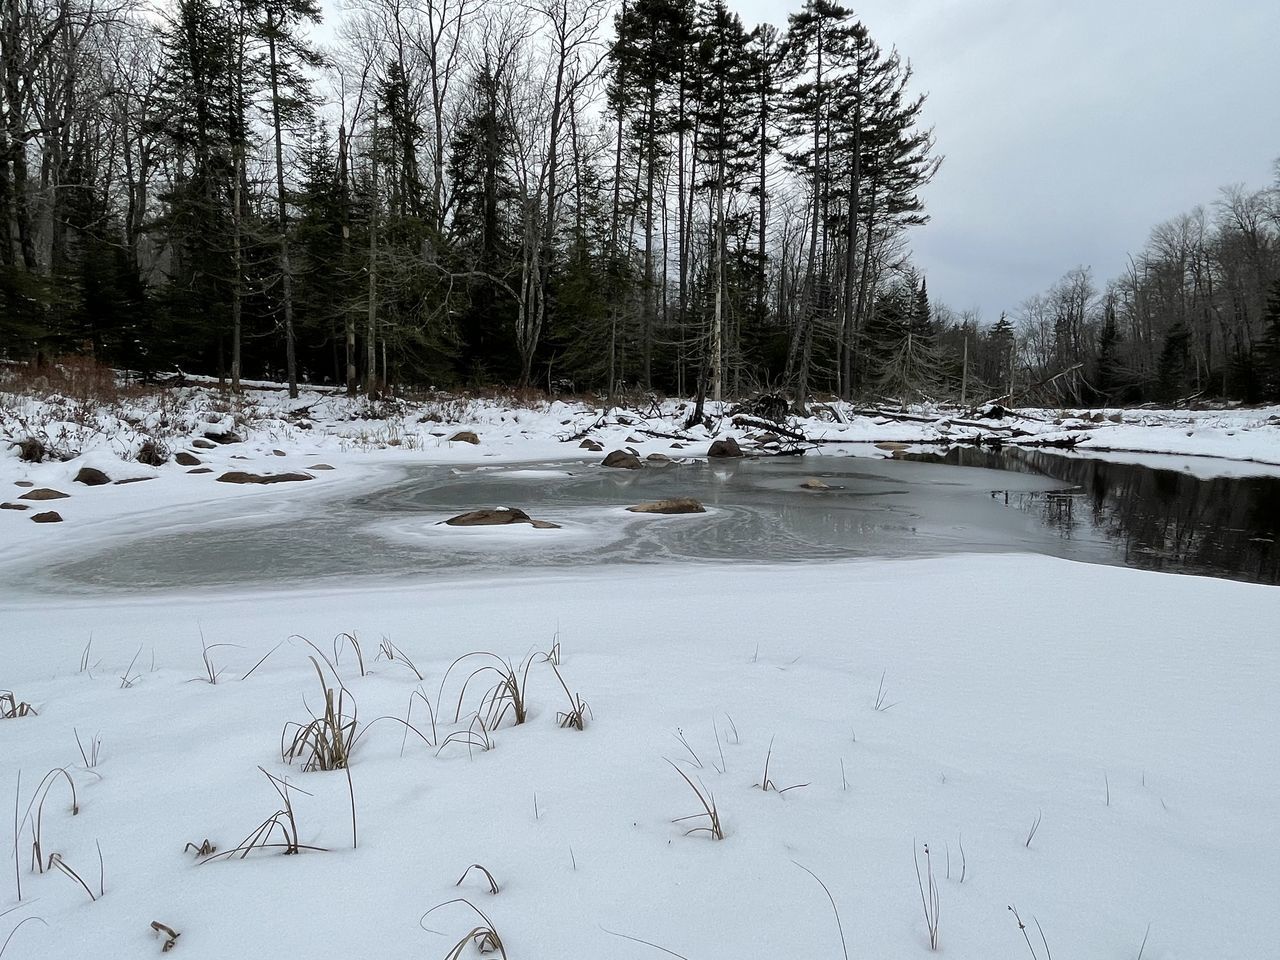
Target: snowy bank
[{"x": 954, "y": 702}]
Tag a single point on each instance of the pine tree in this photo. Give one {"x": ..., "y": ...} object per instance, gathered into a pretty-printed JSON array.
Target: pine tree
[
  {"x": 200, "y": 123},
  {"x": 483, "y": 238}
]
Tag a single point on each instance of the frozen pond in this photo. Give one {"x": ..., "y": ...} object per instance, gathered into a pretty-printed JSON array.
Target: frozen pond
[{"x": 971, "y": 501}]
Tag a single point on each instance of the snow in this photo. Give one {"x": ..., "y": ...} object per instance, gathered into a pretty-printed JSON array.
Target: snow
[
  {"x": 1160, "y": 686},
  {"x": 1131, "y": 712}
]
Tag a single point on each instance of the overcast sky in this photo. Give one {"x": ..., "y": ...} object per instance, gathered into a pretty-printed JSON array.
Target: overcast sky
[{"x": 1072, "y": 127}]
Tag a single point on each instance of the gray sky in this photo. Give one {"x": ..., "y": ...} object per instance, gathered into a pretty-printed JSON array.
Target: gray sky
[{"x": 1072, "y": 127}]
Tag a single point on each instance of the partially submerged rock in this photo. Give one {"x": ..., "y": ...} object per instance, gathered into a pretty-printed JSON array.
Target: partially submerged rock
[
  {"x": 813, "y": 483},
  {"x": 891, "y": 445},
  {"x": 498, "y": 517},
  {"x": 320, "y": 466},
  {"x": 659, "y": 458},
  {"x": 240, "y": 476},
  {"x": 49, "y": 516},
  {"x": 622, "y": 459},
  {"x": 91, "y": 477},
  {"x": 672, "y": 506},
  {"x": 464, "y": 436},
  {"x": 728, "y": 447},
  {"x": 44, "y": 493},
  {"x": 13, "y": 506}
]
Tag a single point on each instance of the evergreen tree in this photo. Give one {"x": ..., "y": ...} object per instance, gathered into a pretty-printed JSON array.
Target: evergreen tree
[
  {"x": 1269, "y": 361},
  {"x": 200, "y": 122},
  {"x": 483, "y": 237}
]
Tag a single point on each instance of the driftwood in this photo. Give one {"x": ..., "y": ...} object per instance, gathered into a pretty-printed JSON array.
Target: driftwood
[{"x": 776, "y": 428}]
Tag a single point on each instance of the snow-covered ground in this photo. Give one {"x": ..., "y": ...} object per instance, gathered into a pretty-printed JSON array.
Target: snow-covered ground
[{"x": 954, "y": 702}]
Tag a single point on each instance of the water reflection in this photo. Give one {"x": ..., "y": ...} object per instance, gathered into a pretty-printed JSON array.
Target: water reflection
[{"x": 1158, "y": 519}]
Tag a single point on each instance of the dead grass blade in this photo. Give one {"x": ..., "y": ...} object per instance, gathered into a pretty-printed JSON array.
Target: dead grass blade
[
  {"x": 11, "y": 707},
  {"x": 493, "y": 884},
  {"x": 710, "y": 811},
  {"x": 576, "y": 715}
]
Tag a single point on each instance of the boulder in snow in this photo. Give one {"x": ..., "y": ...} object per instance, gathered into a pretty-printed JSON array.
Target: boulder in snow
[
  {"x": 44, "y": 493},
  {"x": 91, "y": 477}
]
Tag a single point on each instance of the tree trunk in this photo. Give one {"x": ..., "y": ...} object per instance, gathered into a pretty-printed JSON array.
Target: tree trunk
[{"x": 286, "y": 272}]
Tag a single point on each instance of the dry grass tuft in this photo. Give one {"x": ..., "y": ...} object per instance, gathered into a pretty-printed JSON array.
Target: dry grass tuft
[
  {"x": 325, "y": 742},
  {"x": 576, "y": 715},
  {"x": 392, "y": 654},
  {"x": 710, "y": 812},
  {"x": 278, "y": 832},
  {"x": 493, "y": 884},
  {"x": 206, "y": 848},
  {"x": 11, "y": 707},
  {"x": 171, "y": 935},
  {"x": 483, "y": 935},
  {"x": 34, "y": 816},
  {"x": 507, "y": 694},
  {"x": 474, "y": 737},
  {"x": 766, "y": 783},
  {"x": 928, "y": 894}
]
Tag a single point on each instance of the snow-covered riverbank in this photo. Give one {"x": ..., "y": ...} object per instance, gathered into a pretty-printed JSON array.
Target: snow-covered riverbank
[{"x": 1129, "y": 714}]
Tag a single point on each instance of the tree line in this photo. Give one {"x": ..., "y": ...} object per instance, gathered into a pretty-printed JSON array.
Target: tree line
[
  {"x": 567, "y": 191},
  {"x": 566, "y": 194},
  {"x": 1195, "y": 313}
]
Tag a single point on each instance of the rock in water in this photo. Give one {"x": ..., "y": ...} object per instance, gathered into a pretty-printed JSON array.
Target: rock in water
[
  {"x": 49, "y": 516},
  {"x": 658, "y": 458},
  {"x": 672, "y": 506},
  {"x": 320, "y": 466},
  {"x": 498, "y": 517},
  {"x": 44, "y": 493},
  {"x": 622, "y": 459},
  {"x": 239, "y": 476},
  {"x": 91, "y": 477},
  {"x": 813, "y": 483},
  {"x": 13, "y": 506},
  {"x": 727, "y": 447}
]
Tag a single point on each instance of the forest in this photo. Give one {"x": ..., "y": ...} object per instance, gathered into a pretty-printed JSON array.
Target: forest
[{"x": 565, "y": 195}]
